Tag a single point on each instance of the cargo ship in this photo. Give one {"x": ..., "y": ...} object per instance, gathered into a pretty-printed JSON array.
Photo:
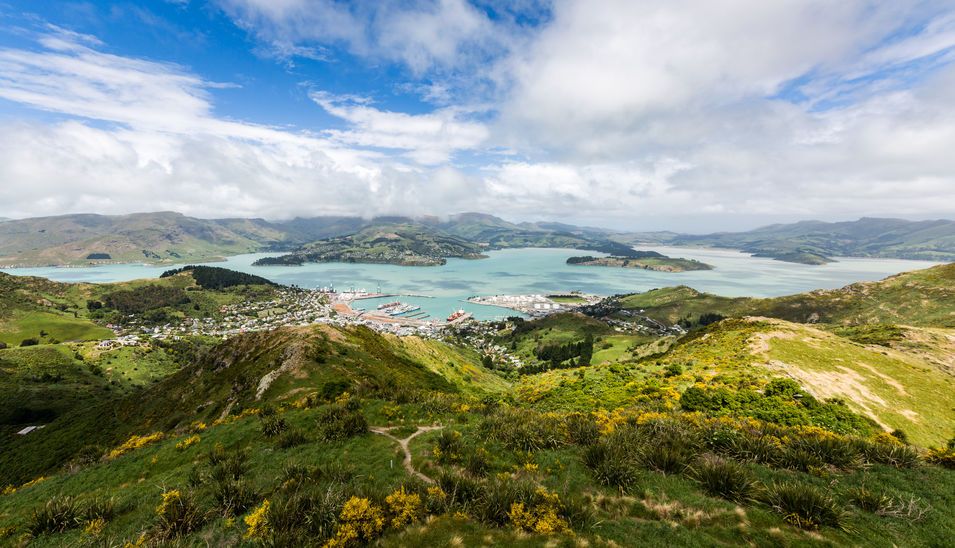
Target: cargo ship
[{"x": 458, "y": 315}]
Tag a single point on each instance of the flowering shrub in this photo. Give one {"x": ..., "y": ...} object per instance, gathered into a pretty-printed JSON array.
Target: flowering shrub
[
  {"x": 177, "y": 515},
  {"x": 258, "y": 522},
  {"x": 95, "y": 527},
  {"x": 543, "y": 517},
  {"x": 187, "y": 443},
  {"x": 360, "y": 520},
  {"x": 403, "y": 507},
  {"x": 133, "y": 443}
]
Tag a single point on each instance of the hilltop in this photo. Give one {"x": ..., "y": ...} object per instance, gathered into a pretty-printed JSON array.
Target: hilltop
[{"x": 923, "y": 297}]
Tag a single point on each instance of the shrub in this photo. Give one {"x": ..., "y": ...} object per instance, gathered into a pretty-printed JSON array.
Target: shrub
[
  {"x": 227, "y": 466},
  {"x": 233, "y": 497},
  {"x": 133, "y": 443},
  {"x": 499, "y": 495},
  {"x": 257, "y": 522},
  {"x": 291, "y": 439},
  {"x": 57, "y": 515},
  {"x": 304, "y": 511},
  {"x": 477, "y": 461},
  {"x": 339, "y": 422},
  {"x": 187, "y": 442},
  {"x": 612, "y": 464},
  {"x": 460, "y": 490},
  {"x": 524, "y": 429},
  {"x": 868, "y": 500},
  {"x": 448, "y": 447},
  {"x": 543, "y": 515},
  {"x": 177, "y": 515},
  {"x": 360, "y": 521},
  {"x": 896, "y": 455},
  {"x": 724, "y": 478},
  {"x": 272, "y": 426},
  {"x": 582, "y": 429},
  {"x": 805, "y": 505},
  {"x": 942, "y": 456},
  {"x": 829, "y": 449},
  {"x": 403, "y": 507},
  {"x": 99, "y": 508}
]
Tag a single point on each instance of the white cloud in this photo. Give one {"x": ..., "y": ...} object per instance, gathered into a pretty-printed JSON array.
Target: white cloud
[
  {"x": 623, "y": 113},
  {"x": 429, "y": 138},
  {"x": 422, "y": 34}
]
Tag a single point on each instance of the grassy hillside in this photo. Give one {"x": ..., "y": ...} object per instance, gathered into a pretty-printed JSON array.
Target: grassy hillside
[
  {"x": 144, "y": 237},
  {"x": 743, "y": 431},
  {"x": 922, "y": 298}
]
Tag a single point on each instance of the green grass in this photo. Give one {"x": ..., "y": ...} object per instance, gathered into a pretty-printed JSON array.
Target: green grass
[
  {"x": 898, "y": 390},
  {"x": 56, "y": 326},
  {"x": 921, "y": 298},
  {"x": 671, "y": 509}
]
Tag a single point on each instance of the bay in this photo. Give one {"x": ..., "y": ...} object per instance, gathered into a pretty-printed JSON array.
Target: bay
[{"x": 441, "y": 289}]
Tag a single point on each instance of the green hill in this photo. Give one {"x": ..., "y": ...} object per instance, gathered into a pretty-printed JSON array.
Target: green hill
[
  {"x": 923, "y": 298},
  {"x": 746, "y": 430}
]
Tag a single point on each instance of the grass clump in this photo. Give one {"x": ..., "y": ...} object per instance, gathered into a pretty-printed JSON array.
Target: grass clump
[
  {"x": 805, "y": 505},
  {"x": 55, "y": 516},
  {"x": 177, "y": 515},
  {"x": 724, "y": 478},
  {"x": 339, "y": 422}
]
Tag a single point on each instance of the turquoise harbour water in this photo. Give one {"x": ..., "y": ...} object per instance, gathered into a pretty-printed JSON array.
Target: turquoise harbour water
[{"x": 441, "y": 289}]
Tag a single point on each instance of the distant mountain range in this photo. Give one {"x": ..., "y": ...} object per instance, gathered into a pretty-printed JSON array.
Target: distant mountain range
[
  {"x": 817, "y": 242},
  {"x": 168, "y": 237}
]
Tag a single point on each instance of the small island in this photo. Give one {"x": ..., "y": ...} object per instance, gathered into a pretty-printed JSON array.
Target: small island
[{"x": 647, "y": 260}]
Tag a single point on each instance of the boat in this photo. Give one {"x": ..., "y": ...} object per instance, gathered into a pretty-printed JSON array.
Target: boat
[
  {"x": 388, "y": 305},
  {"x": 458, "y": 315}
]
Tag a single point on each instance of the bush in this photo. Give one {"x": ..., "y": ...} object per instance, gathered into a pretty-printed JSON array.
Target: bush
[
  {"x": 724, "y": 478},
  {"x": 233, "y": 497},
  {"x": 29, "y": 342},
  {"x": 524, "y": 429},
  {"x": 291, "y": 439},
  {"x": 448, "y": 447},
  {"x": 805, "y": 505},
  {"x": 461, "y": 491},
  {"x": 272, "y": 426},
  {"x": 177, "y": 515},
  {"x": 477, "y": 461},
  {"x": 304, "y": 512},
  {"x": 868, "y": 500},
  {"x": 613, "y": 464},
  {"x": 898, "y": 456},
  {"x": 57, "y": 515},
  {"x": 338, "y": 422},
  {"x": 582, "y": 429}
]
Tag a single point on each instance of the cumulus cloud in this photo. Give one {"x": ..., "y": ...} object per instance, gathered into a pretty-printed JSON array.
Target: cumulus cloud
[
  {"x": 428, "y": 138},
  {"x": 633, "y": 111},
  {"x": 421, "y": 34},
  {"x": 141, "y": 135}
]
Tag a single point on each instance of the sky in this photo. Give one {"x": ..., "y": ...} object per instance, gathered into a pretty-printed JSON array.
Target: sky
[{"x": 690, "y": 115}]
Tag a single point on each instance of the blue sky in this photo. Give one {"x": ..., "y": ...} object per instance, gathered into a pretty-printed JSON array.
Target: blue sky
[{"x": 639, "y": 114}]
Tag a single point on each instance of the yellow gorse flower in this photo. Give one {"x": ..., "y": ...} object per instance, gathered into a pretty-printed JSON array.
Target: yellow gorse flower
[{"x": 258, "y": 522}]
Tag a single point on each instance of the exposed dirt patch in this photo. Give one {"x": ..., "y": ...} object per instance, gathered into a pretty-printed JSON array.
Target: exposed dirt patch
[{"x": 842, "y": 382}]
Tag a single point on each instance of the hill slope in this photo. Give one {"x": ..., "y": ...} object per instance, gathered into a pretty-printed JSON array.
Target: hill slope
[{"x": 923, "y": 297}]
